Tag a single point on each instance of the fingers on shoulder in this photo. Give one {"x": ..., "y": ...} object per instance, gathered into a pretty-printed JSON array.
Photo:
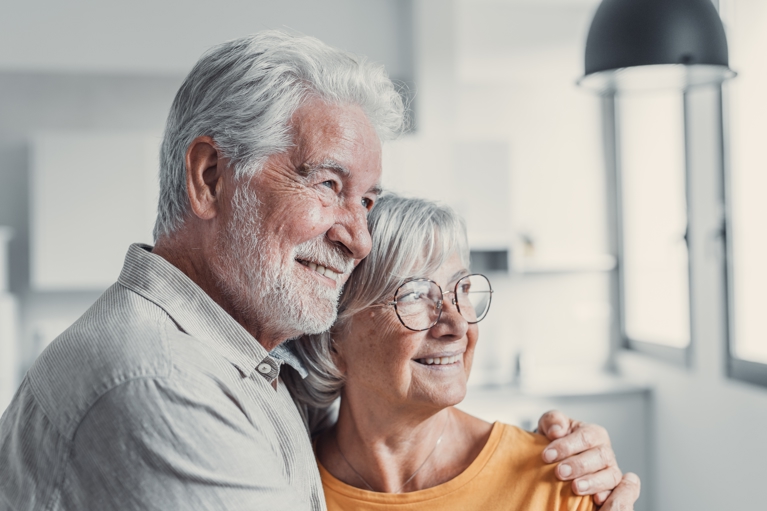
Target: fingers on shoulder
[
  {"x": 553, "y": 424},
  {"x": 624, "y": 495}
]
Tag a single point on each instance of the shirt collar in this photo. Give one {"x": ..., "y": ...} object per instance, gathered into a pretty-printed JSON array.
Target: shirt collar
[
  {"x": 286, "y": 352},
  {"x": 157, "y": 280}
]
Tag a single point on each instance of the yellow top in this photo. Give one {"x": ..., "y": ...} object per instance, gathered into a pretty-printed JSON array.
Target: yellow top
[{"x": 507, "y": 475}]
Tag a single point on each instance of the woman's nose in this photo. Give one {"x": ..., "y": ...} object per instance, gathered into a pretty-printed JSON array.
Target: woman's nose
[{"x": 451, "y": 323}]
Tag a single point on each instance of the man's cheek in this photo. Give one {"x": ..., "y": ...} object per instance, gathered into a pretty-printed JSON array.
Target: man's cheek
[{"x": 316, "y": 221}]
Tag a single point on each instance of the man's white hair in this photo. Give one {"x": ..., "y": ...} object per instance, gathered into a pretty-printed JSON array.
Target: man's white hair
[{"x": 243, "y": 93}]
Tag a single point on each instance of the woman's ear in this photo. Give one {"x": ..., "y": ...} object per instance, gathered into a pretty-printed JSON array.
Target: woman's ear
[{"x": 337, "y": 353}]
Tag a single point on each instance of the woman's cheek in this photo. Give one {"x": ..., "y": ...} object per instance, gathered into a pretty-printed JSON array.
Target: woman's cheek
[
  {"x": 473, "y": 337},
  {"x": 388, "y": 355},
  {"x": 375, "y": 343}
]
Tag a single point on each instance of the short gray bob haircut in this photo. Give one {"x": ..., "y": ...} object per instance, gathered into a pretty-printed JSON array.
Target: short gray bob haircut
[
  {"x": 243, "y": 93},
  {"x": 411, "y": 238}
]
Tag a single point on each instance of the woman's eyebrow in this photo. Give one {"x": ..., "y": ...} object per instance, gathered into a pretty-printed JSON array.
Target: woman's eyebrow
[{"x": 457, "y": 275}]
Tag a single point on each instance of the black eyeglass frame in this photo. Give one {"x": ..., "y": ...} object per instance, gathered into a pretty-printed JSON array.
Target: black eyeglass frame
[{"x": 439, "y": 304}]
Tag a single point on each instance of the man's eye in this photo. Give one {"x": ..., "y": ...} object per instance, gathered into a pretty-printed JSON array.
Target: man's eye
[
  {"x": 329, "y": 184},
  {"x": 366, "y": 203}
]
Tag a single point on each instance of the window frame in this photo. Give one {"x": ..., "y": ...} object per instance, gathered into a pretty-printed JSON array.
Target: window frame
[
  {"x": 673, "y": 355},
  {"x": 739, "y": 369}
]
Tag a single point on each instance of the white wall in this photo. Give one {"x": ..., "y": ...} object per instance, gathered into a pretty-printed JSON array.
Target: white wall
[
  {"x": 41, "y": 102},
  {"x": 168, "y": 36},
  {"x": 708, "y": 434}
]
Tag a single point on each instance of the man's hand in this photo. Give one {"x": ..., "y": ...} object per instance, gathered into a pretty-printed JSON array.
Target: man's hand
[
  {"x": 623, "y": 496},
  {"x": 587, "y": 459}
]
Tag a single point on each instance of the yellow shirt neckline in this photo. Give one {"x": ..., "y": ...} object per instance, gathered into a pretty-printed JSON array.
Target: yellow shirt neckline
[{"x": 332, "y": 483}]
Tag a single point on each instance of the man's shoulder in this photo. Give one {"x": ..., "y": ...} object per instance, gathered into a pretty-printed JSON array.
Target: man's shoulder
[{"x": 122, "y": 337}]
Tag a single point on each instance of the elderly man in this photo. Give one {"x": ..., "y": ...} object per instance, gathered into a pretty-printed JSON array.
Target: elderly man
[{"x": 165, "y": 394}]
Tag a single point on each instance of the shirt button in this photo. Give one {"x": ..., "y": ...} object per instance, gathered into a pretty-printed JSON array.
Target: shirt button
[{"x": 264, "y": 368}]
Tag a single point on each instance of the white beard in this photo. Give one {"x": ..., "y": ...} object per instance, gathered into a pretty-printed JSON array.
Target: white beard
[{"x": 280, "y": 298}]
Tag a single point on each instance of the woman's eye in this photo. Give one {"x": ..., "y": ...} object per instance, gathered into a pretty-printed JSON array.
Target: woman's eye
[
  {"x": 411, "y": 297},
  {"x": 366, "y": 203}
]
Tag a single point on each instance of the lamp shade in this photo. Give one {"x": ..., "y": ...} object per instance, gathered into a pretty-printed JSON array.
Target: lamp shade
[{"x": 645, "y": 44}]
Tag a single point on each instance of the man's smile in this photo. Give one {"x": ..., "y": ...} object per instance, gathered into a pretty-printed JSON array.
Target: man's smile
[{"x": 332, "y": 274}]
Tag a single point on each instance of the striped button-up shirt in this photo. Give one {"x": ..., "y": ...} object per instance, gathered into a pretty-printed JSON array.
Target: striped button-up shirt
[{"x": 156, "y": 399}]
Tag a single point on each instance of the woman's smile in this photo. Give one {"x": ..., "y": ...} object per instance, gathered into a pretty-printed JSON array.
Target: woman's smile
[{"x": 441, "y": 360}]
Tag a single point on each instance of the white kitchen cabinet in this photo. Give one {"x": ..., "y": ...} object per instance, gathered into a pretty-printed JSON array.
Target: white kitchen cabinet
[
  {"x": 8, "y": 349},
  {"x": 623, "y": 409},
  {"x": 8, "y": 327},
  {"x": 93, "y": 194},
  {"x": 6, "y": 233}
]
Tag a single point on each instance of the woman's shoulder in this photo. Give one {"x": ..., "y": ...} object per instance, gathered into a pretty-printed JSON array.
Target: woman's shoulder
[{"x": 518, "y": 460}]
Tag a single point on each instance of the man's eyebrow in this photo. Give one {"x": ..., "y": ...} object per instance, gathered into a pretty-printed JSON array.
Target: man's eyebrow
[
  {"x": 377, "y": 189},
  {"x": 307, "y": 169}
]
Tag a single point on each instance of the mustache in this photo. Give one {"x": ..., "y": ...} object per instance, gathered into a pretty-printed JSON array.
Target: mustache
[{"x": 320, "y": 251}]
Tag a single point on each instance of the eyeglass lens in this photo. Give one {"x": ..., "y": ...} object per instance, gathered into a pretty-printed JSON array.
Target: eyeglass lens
[{"x": 419, "y": 302}]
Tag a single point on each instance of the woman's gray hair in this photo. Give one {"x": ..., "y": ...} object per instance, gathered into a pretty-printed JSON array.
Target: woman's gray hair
[
  {"x": 411, "y": 238},
  {"x": 243, "y": 93}
]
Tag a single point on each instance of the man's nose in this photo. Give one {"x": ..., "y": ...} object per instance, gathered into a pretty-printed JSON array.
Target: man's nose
[{"x": 351, "y": 230}]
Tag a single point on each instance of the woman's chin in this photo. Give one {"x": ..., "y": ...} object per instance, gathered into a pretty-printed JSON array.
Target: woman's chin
[
  {"x": 444, "y": 397},
  {"x": 442, "y": 386}
]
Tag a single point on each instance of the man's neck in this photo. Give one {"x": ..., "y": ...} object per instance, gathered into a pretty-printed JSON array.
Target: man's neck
[{"x": 193, "y": 260}]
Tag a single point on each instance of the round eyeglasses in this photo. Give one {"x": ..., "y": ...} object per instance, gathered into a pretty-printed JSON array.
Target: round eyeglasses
[{"x": 418, "y": 302}]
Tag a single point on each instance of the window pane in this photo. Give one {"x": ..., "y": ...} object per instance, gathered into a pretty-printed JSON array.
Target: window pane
[
  {"x": 747, "y": 33},
  {"x": 654, "y": 209}
]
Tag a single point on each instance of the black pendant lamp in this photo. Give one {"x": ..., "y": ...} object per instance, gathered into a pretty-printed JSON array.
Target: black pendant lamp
[{"x": 655, "y": 44}]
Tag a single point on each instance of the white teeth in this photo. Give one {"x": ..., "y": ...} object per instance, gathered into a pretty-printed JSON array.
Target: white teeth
[
  {"x": 322, "y": 270},
  {"x": 441, "y": 360}
]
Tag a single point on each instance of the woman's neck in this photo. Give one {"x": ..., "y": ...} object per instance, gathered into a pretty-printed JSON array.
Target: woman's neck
[{"x": 374, "y": 448}]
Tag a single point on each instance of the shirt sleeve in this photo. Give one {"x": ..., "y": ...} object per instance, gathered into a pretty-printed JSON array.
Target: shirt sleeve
[{"x": 157, "y": 444}]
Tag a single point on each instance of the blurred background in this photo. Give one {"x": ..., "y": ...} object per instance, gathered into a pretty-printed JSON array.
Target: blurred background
[{"x": 624, "y": 234}]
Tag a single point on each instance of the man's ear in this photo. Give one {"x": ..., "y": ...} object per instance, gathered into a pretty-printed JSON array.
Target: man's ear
[{"x": 205, "y": 170}]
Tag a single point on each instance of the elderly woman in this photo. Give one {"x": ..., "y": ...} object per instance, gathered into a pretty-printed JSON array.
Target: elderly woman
[{"x": 399, "y": 356}]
